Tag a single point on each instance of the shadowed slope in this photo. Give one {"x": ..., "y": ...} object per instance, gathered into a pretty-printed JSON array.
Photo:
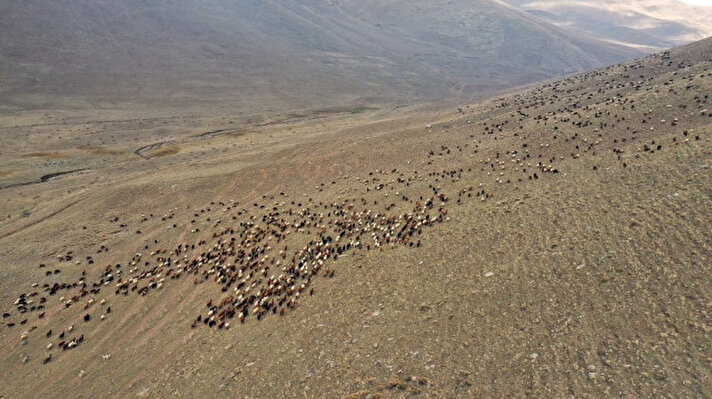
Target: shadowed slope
[{"x": 276, "y": 54}]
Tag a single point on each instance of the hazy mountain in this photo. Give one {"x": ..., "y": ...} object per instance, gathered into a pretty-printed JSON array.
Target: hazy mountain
[
  {"x": 277, "y": 53},
  {"x": 648, "y": 24}
]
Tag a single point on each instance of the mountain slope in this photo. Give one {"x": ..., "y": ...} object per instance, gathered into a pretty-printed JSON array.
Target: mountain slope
[
  {"x": 553, "y": 242},
  {"x": 649, "y": 24},
  {"x": 277, "y": 53}
]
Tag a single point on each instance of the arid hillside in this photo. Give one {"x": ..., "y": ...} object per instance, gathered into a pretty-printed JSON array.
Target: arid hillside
[
  {"x": 552, "y": 242},
  {"x": 645, "y": 24},
  {"x": 275, "y": 56}
]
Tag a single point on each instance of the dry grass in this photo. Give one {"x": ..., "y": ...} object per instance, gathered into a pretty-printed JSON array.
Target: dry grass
[
  {"x": 98, "y": 150},
  {"x": 164, "y": 151},
  {"x": 45, "y": 155}
]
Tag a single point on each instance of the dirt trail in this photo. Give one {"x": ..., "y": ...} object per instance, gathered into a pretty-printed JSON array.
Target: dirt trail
[
  {"x": 46, "y": 178},
  {"x": 147, "y": 149}
]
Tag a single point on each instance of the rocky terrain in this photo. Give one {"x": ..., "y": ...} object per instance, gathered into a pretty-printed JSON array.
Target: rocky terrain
[{"x": 552, "y": 242}]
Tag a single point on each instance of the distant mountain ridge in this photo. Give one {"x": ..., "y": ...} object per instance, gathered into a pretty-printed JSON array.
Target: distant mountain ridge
[
  {"x": 646, "y": 24},
  {"x": 276, "y": 54}
]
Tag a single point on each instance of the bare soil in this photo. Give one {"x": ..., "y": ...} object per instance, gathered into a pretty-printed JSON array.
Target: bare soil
[{"x": 566, "y": 253}]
